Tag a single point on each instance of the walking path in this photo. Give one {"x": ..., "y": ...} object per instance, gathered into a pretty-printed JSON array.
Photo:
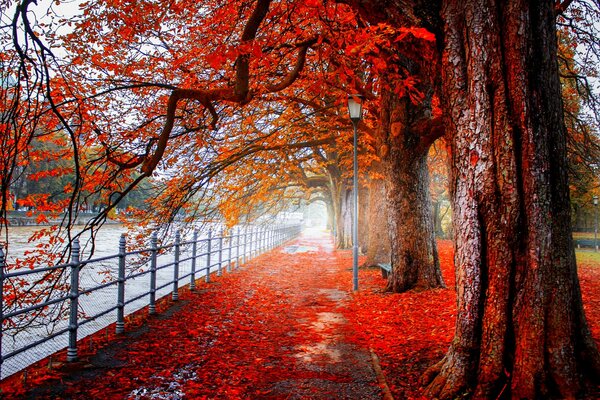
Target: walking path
[{"x": 274, "y": 329}]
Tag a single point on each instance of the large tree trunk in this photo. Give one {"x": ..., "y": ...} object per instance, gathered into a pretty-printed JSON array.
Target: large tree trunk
[
  {"x": 330, "y": 215},
  {"x": 521, "y": 331},
  {"x": 378, "y": 248},
  {"x": 415, "y": 263},
  {"x": 338, "y": 192},
  {"x": 363, "y": 213},
  {"x": 437, "y": 219},
  {"x": 344, "y": 220}
]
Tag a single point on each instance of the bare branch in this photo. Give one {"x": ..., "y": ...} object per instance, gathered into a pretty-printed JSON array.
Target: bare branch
[{"x": 295, "y": 72}]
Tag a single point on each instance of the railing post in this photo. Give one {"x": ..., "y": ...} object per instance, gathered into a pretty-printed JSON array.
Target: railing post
[
  {"x": 245, "y": 244},
  {"x": 153, "y": 256},
  {"x": 194, "y": 255},
  {"x": 251, "y": 242},
  {"x": 175, "y": 294},
  {"x": 257, "y": 242},
  {"x": 268, "y": 238},
  {"x": 74, "y": 296},
  {"x": 259, "y": 247},
  {"x": 237, "y": 249},
  {"x": 219, "y": 268},
  {"x": 255, "y": 231},
  {"x": 120, "y": 325},
  {"x": 2, "y": 266},
  {"x": 230, "y": 251},
  {"x": 208, "y": 251}
]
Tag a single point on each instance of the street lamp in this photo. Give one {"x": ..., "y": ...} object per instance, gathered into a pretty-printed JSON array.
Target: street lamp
[
  {"x": 355, "y": 102},
  {"x": 595, "y": 201}
]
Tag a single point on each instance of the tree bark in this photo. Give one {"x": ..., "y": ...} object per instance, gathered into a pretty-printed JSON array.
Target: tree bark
[
  {"x": 521, "y": 331},
  {"x": 344, "y": 222},
  {"x": 330, "y": 217},
  {"x": 363, "y": 212},
  {"x": 414, "y": 258},
  {"x": 378, "y": 248},
  {"x": 437, "y": 219}
]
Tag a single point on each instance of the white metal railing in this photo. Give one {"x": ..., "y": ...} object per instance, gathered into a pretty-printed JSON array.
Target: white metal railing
[{"x": 124, "y": 293}]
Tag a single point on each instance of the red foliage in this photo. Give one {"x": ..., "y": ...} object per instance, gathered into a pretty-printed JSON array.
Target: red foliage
[
  {"x": 589, "y": 279},
  {"x": 408, "y": 331}
]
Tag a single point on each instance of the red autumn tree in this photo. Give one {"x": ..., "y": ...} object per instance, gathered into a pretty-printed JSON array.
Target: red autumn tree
[{"x": 519, "y": 299}]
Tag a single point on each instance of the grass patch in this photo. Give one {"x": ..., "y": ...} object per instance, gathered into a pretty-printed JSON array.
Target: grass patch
[{"x": 589, "y": 257}]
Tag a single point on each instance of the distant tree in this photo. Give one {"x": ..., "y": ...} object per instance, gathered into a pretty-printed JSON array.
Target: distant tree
[{"x": 583, "y": 145}]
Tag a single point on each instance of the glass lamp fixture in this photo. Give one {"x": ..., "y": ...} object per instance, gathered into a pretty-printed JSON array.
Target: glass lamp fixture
[{"x": 355, "y": 102}]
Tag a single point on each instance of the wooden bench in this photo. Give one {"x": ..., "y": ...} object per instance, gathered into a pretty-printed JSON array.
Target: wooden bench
[
  {"x": 579, "y": 243},
  {"x": 386, "y": 269}
]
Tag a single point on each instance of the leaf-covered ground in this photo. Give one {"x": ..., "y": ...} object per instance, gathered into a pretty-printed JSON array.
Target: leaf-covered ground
[
  {"x": 286, "y": 325},
  {"x": 409, "y": 331}
]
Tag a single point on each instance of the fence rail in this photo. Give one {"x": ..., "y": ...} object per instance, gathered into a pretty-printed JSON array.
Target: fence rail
[{"x": 147, "y": 278}]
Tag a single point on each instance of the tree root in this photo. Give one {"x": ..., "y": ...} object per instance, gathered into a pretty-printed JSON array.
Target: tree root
[
  {"x": 446, "y": 379},
  {"x": 431, "y": 372}
]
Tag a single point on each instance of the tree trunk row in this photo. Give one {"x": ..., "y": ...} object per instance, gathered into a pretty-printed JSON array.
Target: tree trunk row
[
  {"x": 520, "y": 325},
  {"x": 521, "y": 331}
]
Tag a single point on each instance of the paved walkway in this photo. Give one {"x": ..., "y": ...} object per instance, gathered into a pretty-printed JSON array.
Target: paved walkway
[
  {"x": 274, "y": 329},
  {"x": 312, "y": 267}
]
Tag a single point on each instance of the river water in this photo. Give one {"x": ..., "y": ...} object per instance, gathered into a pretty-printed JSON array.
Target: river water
[{"x": 107, "y": 240}]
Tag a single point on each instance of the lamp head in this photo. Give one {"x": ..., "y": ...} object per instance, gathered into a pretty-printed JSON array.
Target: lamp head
[{"x": 355, "y": 103}]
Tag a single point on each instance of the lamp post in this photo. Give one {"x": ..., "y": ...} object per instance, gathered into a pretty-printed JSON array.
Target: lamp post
[
  {"x": 595, "y": 201},
  {"x": 355, "y": 109}
]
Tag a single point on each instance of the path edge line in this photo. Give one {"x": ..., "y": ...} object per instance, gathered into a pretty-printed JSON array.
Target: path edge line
[{"x": 387, "y": 394}]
